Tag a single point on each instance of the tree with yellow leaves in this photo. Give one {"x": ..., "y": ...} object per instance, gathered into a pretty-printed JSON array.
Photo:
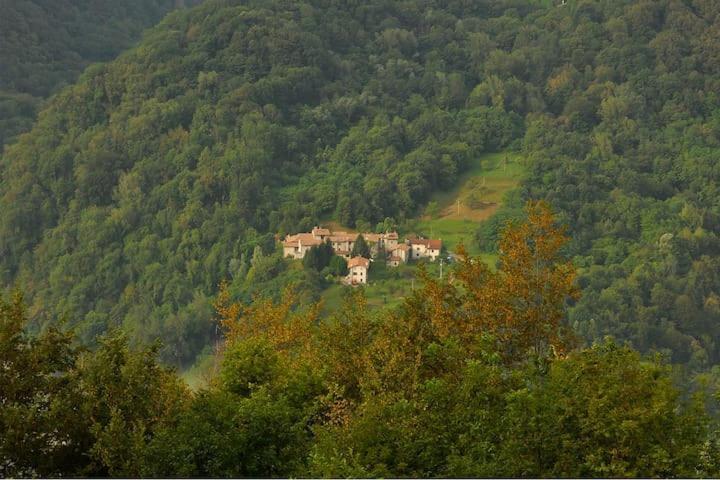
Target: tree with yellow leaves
[
  {"x": 530, "y": 290},
  {"x": 286, "y": 328},
  {"x": 520, "y": 306}
]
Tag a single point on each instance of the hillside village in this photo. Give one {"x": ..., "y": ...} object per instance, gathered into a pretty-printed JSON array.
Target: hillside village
[{"x": 395, "y": 251}]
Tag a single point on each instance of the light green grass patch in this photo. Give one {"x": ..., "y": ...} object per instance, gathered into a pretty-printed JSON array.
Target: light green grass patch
[
  {"x": 387, "y": 288},
  {"x": 479, "y": 193}
]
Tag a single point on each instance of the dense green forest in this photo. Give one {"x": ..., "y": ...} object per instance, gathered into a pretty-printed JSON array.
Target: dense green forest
[
  {"x": 478, "y": 378},
  {"x": 172, "y": 168},
  {"x": 627, "y": 148},
  {"x": 45, "y": 45}
]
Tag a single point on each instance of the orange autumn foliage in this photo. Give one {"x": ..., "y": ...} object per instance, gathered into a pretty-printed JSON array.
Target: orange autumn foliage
[
  {"x": 288, "y": 329},
  {"x": 520, "y": 307},
  {"x": 522, "y": 304},
  {"x": 343, "y": 343}
]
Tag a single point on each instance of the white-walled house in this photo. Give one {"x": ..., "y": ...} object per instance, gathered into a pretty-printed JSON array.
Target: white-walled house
[
  {"x": 399, "y": 254},
  {"x": 357, "y": 271},
  {"x": 425, "y": 248}
]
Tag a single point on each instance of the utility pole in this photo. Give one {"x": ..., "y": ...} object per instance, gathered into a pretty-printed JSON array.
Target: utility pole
[
  {"x": 458, "y": 205},
  {"x": 441, "y": 265}
]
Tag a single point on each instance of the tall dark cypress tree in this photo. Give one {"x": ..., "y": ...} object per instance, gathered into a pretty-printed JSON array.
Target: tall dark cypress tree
[
  {"x": 311, "y": 260},
  {"x": 360, "y": 248}
]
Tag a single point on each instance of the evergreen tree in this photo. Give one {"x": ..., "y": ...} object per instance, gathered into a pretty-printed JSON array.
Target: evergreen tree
[
  {"x": 338, "y": 266},
  {"x": 326, "y": 254},
  {"x": 318, "y": 257},
  {"x": 360, "y": 248},
  {"x": 312, "y": 258}
]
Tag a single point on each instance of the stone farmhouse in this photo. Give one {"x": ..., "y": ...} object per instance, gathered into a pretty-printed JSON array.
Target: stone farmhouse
[
  {"x": 357, "y": 271},
  {"x": 399, "y": 254},
  {"x": 296, "y": 246},
  {"x": 425, "y": 248}
]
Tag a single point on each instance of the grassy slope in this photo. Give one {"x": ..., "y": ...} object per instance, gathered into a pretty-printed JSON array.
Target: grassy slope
[
  {"x": 487, "y": 180},
  {"x": 388, "y": 286}
]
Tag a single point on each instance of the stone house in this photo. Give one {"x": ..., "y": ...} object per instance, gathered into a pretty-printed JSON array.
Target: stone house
[
  {"x": 357, "y": 271},
  {"x": 425, "y": 248},
  {"x": 320, "y": 233},
  {"x": 343, "y": 243},
  {"x": 400, "y": 253},
  {"x": 390, "y": 241},
  {"x": 296, "y": 246}
]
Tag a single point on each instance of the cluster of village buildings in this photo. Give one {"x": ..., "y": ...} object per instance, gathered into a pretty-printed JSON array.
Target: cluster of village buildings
[{"x": 296, "y": 246}]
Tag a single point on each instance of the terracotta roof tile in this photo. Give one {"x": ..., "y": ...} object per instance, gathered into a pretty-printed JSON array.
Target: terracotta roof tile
[
  {"x": 320, "y": 231},
  {"x": 358, "y": 262},
  {"x": 429, "y": 243},
  {"x": 372, "y": 237},
  {"x": 343, "y": 237}
]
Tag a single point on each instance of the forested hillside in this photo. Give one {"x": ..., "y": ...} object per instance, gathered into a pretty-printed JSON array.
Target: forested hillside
[
  {"x": 627, "y": 147},
  {"x": 172, "y": 168},
  {"x": 45, "y": 44},
  {"x": 159, "y": 174}
]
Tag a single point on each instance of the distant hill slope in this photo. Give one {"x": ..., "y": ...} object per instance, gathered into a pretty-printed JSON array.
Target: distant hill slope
[
  {"x": 171, "y": 168},
  {"x": 45, "y": 44},
  {"x": 158, "y": 174}
]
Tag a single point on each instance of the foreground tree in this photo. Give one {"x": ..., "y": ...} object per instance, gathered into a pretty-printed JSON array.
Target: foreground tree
[
  {"x": 604, "y": 412},
  {"x": 478, "y": 378},
  {"x": 68, "y": 412},
  {"x": 40, "y": 426}
]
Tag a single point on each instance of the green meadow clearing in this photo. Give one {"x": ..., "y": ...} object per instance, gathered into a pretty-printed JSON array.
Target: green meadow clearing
[{"x": 452, "y": 216}]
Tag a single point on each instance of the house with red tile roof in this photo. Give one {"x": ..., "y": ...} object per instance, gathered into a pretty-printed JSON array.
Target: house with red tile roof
[
  {"x": 357, "y": 271},
  {"x": 320, "y": 233},
  {"x": 425, "y": 248},
  {"x": 296, "y": 246},
  {"x": 399, "y": 254}
]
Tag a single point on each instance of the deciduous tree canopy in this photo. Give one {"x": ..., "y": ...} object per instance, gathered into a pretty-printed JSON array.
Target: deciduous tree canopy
[{"x": 157, "y": 175}]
